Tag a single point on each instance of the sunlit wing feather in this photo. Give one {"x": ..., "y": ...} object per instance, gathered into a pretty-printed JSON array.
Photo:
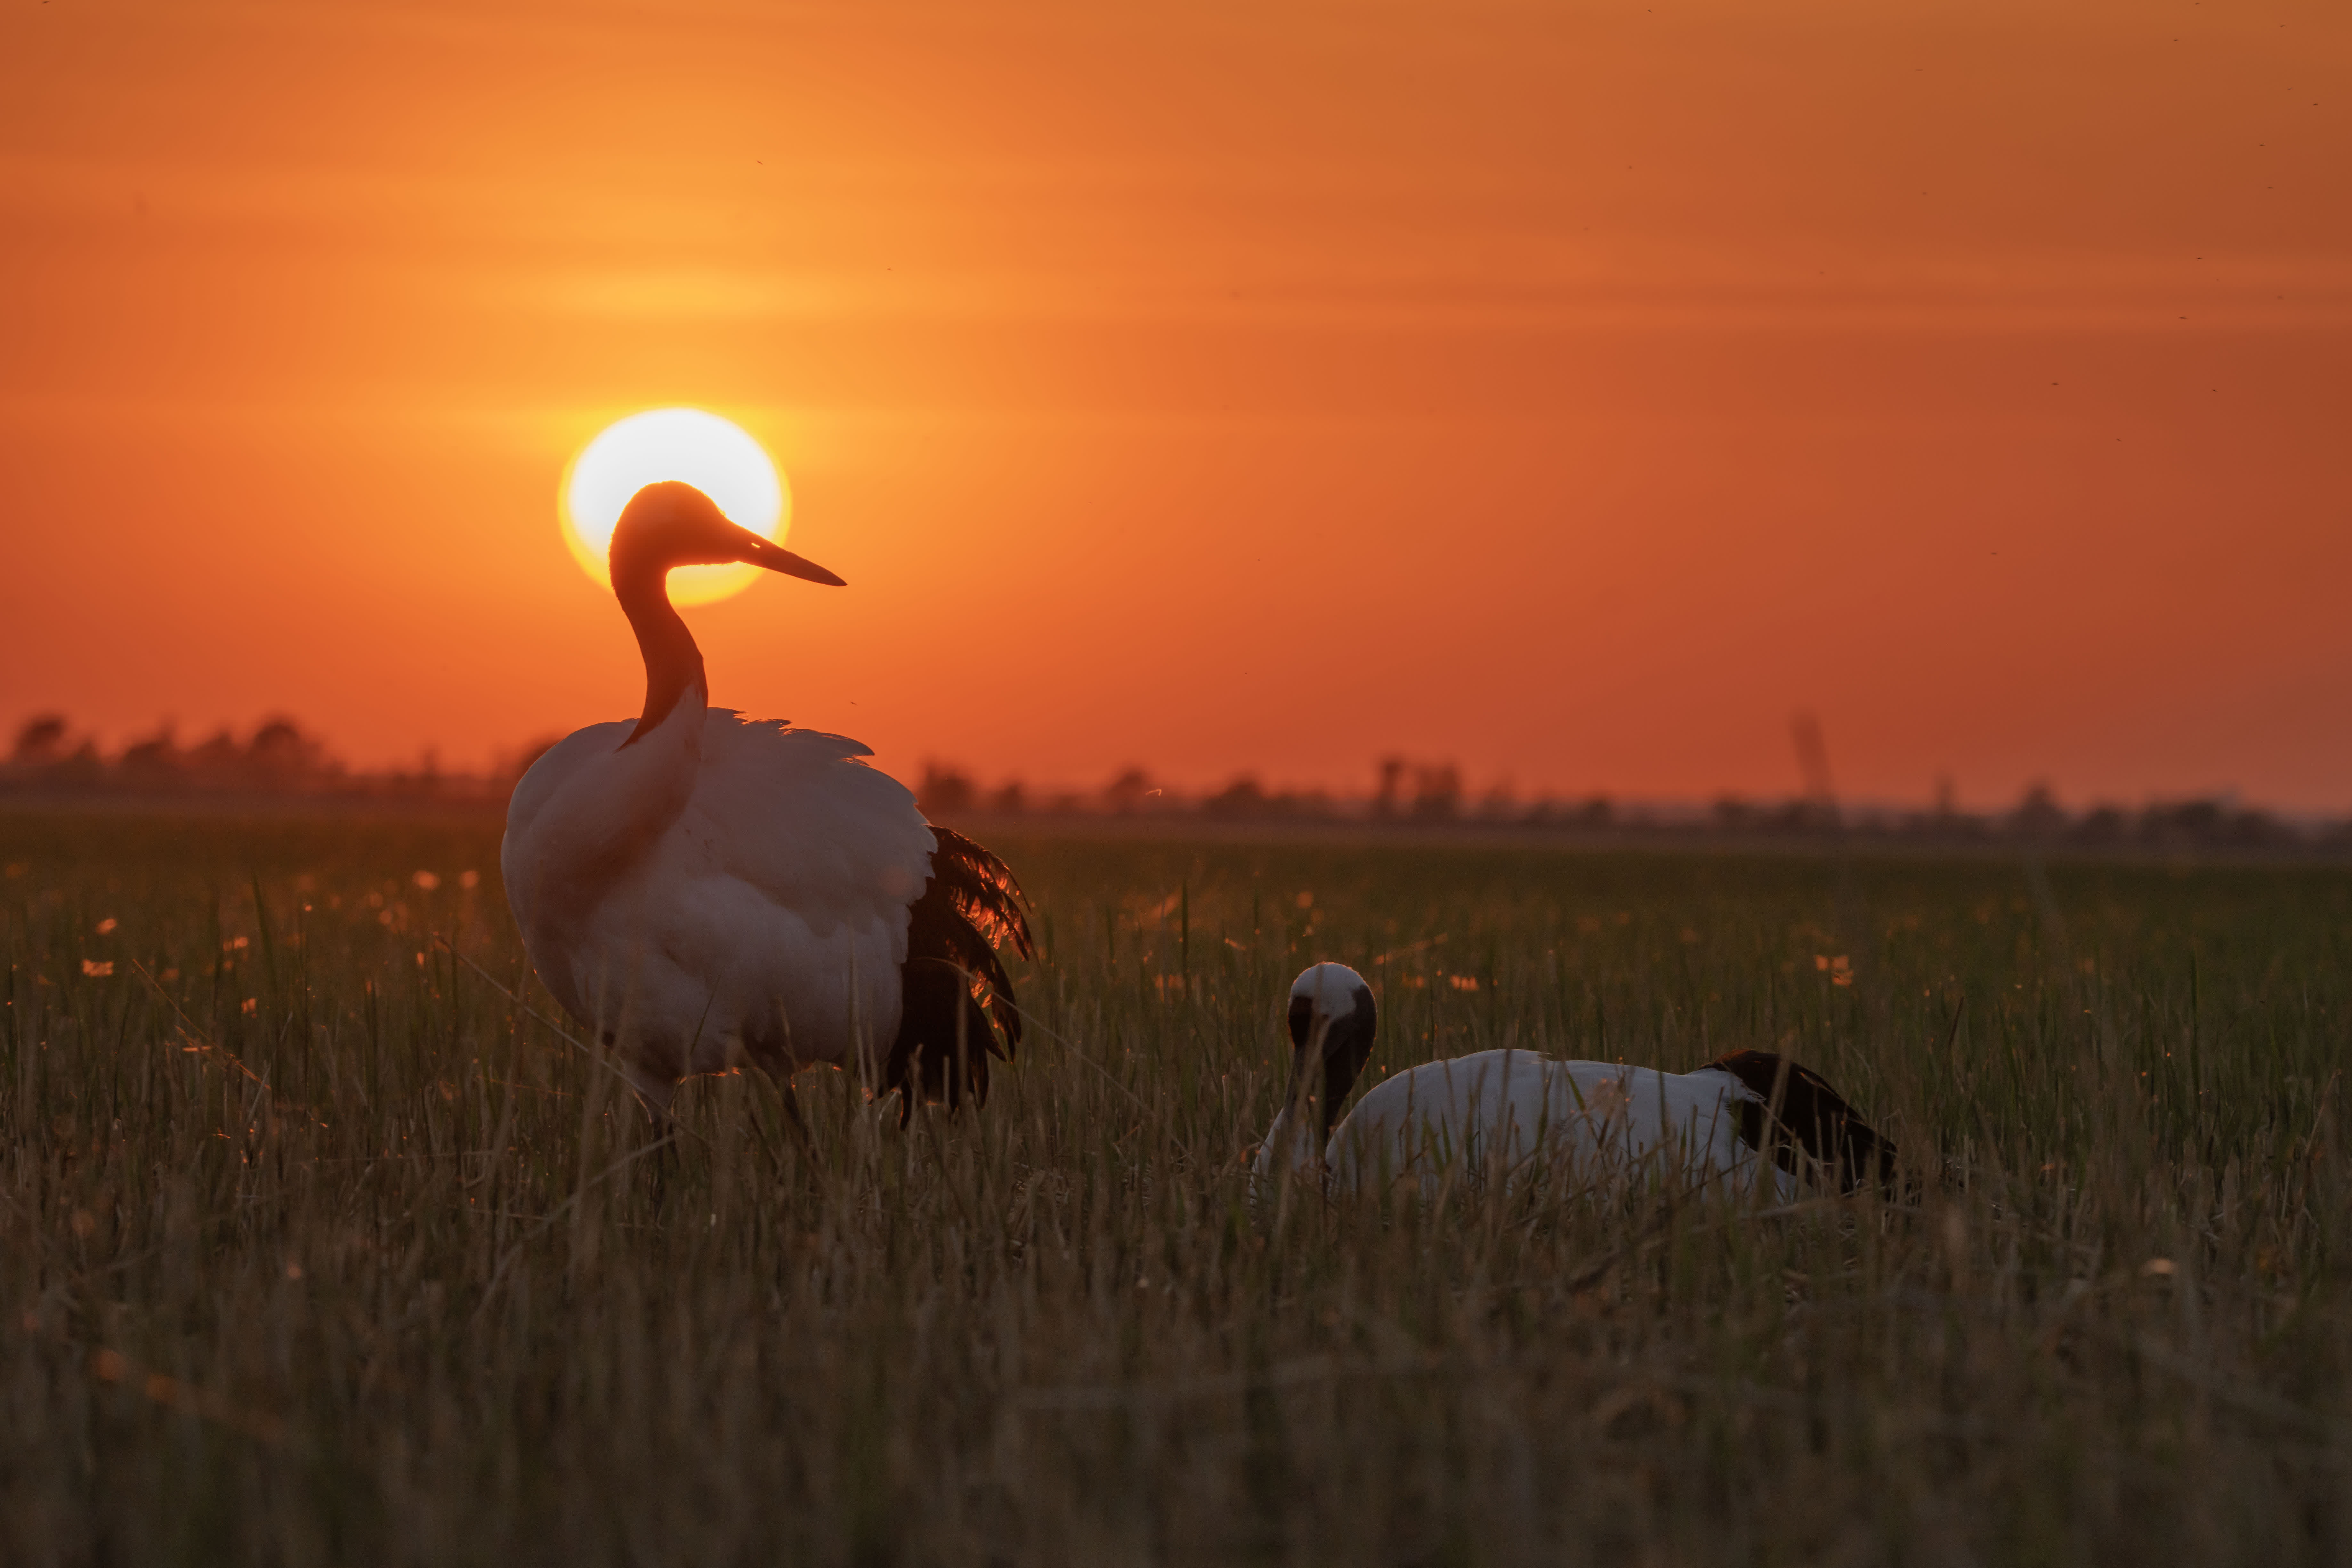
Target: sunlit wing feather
[{"x": 956, "y": 985}]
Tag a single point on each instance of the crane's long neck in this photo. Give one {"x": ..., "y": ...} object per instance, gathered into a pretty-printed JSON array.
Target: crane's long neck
[
  {"x": 604, "y": 819},
  {"x": 673, "y": 664}
]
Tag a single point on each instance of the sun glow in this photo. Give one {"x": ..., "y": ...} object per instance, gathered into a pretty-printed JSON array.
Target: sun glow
[{"x": 717, "y": 458}]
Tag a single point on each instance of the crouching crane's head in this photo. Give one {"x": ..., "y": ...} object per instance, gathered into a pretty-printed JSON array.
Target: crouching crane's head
[{"x": 1332, "y": 1021}]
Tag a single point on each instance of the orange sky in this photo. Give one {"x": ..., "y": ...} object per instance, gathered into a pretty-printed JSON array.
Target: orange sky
[{"x": 1570, "y": 390}]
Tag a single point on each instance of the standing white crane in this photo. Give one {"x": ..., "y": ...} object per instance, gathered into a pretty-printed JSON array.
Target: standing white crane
[
  {"x": 1740, "y": 1116},
  {"x": 702, "y": 890}
]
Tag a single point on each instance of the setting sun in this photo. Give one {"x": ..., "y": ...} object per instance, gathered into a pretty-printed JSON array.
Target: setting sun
[{"x": 717, "y": 456}]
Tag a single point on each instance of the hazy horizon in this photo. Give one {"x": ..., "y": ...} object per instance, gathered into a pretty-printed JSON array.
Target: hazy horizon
[{"x": 1475, "y": 795}]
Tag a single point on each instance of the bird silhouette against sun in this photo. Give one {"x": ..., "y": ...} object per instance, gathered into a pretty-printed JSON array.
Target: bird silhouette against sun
[
  {"x": 715, "y": 456},
  {"x": 703, "y": 890}
]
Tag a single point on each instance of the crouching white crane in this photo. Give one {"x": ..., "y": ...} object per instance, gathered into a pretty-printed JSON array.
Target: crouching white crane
[
  {"x": 703, "y": 890},
  {"x": 1737, "y": 1119}
]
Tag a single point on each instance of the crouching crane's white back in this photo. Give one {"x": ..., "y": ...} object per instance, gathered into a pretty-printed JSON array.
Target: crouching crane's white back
[
  {"x": 1748, "y": 1117},
  {"x": 1498, "y": 1113}
]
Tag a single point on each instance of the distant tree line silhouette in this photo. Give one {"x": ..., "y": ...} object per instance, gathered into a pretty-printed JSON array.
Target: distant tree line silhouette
[
  {"x": 279, "y": 758},
  {"x": 1407, "y": 794}
]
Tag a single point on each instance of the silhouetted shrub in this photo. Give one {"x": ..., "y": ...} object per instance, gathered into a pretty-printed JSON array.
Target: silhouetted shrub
[{"x": 945, "y": 791}]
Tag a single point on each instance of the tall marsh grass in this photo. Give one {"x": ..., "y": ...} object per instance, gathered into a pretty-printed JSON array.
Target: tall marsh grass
[{"x": 317, "y": 1248}]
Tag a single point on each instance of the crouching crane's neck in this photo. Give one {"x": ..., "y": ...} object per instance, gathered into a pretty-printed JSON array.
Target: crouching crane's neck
[{"x": 1289, "y": 1145}]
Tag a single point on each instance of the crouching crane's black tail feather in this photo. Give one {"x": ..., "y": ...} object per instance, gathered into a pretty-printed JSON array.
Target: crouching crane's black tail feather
[
  {"x": 1807, "y": 1115},
  {"x": 958, "y": 1001}
]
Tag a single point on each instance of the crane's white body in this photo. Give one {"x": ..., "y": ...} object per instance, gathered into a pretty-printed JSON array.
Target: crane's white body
[
  {"x": 717, "y": 889},
  {"x": 699, "y": 891},
  {"x": 1500, "y": 1113}
]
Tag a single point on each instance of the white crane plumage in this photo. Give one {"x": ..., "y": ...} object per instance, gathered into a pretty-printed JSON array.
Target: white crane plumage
[
  {"x": 1735, "y": 1120},
  {"x": 704, "y": 890}
]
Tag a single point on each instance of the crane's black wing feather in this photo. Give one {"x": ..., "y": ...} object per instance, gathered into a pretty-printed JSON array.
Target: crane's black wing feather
[
  {"x": 958, "y": 1009},
  {"x": 1808, "y": 1115}
]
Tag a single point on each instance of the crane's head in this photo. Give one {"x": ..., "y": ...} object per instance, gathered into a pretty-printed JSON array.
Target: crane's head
[
  {"x": 1332, "y": 1021},
  {"x": 673, "y": 524}
]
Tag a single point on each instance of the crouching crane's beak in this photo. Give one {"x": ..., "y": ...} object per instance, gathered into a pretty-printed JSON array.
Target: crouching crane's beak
[{"x": 775, "y": 558}]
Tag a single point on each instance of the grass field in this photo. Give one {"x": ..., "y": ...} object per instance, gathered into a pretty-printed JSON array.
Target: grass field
[{"x": 315, "y": 1247}]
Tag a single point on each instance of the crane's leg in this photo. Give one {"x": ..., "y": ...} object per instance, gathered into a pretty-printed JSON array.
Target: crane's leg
[
  {"x": 779, "y": 1073},
  {"x": 654, "y": 1092},
  {"x": 793, "y": 1114}
]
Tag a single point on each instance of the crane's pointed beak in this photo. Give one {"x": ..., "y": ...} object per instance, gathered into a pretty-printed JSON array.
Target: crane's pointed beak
[{"x": 775, "y": 558}]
